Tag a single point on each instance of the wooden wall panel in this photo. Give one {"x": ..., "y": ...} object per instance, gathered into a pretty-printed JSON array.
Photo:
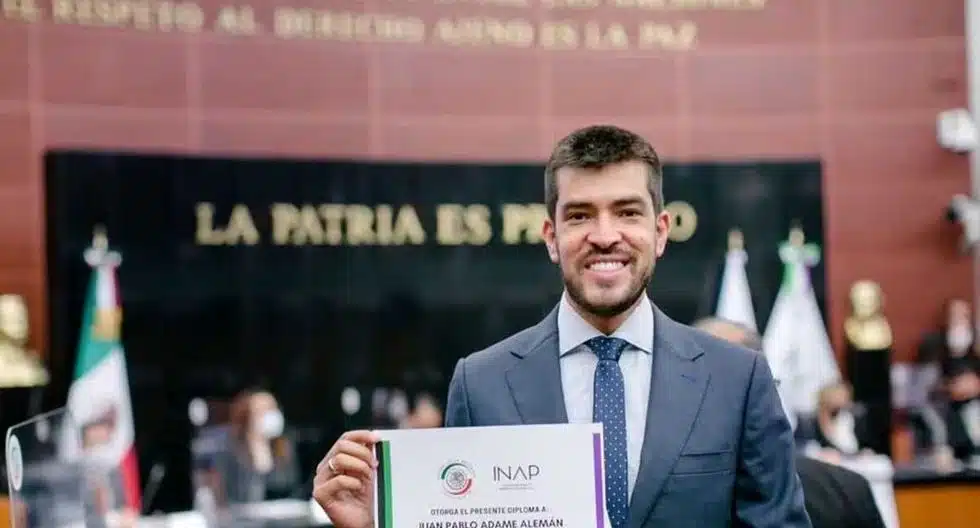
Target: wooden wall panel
[{"x": 854, "y": 83}]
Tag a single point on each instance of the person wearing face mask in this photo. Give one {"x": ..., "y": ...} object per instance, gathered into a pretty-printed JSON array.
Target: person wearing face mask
[
  {"x": 839, "y": 428},
  {"x": 104, "y": 495},
  {"x": 959, "y": 365},
  {"x": 835, "y": 497},
  {"x": 260, "y": 463}
]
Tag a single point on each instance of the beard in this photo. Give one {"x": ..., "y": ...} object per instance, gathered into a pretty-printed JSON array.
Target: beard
[{"x": 609, "y": 307}]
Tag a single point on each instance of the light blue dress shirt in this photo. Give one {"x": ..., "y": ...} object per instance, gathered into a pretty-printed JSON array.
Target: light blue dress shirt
[{"x": 578, "y": 364}]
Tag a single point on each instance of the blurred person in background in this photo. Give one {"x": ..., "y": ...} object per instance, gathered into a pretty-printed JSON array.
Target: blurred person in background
[
  {"x": 954, "y": 349},
  {"x": 835, "y": 497},
  {"x": 728, "y": 440},
  {"x": 260, "y": 463},
  {"x": 104, "y": 493},
  {"x": 425, "y": 415},
  {"x": 838, "y": 429}
]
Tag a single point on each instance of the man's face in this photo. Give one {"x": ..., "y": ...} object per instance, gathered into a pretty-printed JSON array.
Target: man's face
[{"x": 605, "y": 236}]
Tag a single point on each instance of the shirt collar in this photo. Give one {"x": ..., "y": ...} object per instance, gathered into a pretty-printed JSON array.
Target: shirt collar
[{"x": 573, "y": 330}]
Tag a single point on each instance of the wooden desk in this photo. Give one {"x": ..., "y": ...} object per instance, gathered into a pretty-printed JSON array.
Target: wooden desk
[
  {"x": 4, "y": 512},
  {"x": 950, "y": 503}
]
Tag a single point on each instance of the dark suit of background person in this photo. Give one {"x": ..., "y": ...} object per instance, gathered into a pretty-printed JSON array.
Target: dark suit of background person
[
  {"x": 954, "y": 350},
  {"x": 835, "y": 497}
]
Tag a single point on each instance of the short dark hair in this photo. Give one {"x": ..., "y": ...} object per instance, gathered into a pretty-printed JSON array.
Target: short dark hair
[{"x": 598, "y": 146}]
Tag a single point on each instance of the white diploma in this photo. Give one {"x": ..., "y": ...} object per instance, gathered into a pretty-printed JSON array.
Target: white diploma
[{"x": 528, "y": 476}]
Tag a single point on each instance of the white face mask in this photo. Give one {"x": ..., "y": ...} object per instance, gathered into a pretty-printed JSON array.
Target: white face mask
[
  {"x": 843, "y": 433},
  {"x": 959, "y": 338},
  {"x": 272, "y": 423}
]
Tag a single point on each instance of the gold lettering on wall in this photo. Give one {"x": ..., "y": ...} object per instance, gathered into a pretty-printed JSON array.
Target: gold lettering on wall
[
  {"x": 238, "y": 230},
  {"x": 143, "y": 15},
  {"x": 458, "y": 225},
  {"x": 692, "y": 5},
  {"x": 290, "y": 23},
  {"x": 559, "y": 36},
  {"x": 606, "y": 37},
  {"x": 499, "y": 3},
  {"x": 237, "y": 21},
  {"x": 334, "y": 224},
  {"x": 515, "y": 33},
  {"x": 22, "y": 10},
  {"x": 522, "y": 223},
  {"x": 345, "y": 224},
  {"x": 677, "y": 37},
  {"x": 598, "y": 25}
]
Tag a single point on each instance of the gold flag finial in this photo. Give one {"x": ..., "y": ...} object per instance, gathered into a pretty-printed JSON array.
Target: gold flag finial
[
  {"x": 736, "y": 241},
  {"x": 796, "y": 236},
  {"x": 99, "y": 238}
]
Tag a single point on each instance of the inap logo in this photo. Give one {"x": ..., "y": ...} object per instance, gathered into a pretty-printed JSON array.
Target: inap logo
[
  {"x": 457, "y": 478},
  {"x": 518, "y": 477}
]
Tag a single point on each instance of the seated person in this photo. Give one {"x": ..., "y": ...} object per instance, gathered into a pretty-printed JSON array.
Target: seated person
[
  {"x": 260, "y": 464},
  {"x": 837, "y": 428},
  {"x": 104, "y": 493},
  {"x": 954, "y": 350},
  {"x": 835, "y": 497}
]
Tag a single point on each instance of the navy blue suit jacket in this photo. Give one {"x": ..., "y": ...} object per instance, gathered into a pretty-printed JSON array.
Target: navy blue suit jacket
[{"x": 718, "y": 450}]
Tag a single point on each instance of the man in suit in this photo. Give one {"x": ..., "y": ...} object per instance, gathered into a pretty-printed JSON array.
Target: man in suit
[
  {"x": 694, "y": 432},
  {"x": 835, "y": 497}
]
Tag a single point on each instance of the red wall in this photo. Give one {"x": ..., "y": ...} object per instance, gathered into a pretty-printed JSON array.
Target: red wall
[{"x": 855, "y": 83}]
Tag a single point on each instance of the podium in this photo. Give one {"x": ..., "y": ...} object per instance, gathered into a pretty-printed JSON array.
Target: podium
[
  {"x": 16, "y": 404},
  {"x": 44, "y": 473},
  {"x": 4, "y": 512}
]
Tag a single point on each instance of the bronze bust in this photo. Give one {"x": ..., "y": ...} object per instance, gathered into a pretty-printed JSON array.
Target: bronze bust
[
  {"x": 19, "y": 367},
  {"x": 866, "y": 328}
]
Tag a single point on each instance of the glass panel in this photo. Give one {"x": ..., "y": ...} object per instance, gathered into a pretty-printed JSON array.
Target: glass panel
[{"x": 44, "y": 473}]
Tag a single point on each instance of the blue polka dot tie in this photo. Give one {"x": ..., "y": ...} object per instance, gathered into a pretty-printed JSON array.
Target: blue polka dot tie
[{"x": 609, "y": 407}]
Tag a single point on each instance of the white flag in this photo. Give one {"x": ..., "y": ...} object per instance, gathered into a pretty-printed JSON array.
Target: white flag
[
  {"x": 735, "y": 296},
  {"x": 796, "y": 341}
]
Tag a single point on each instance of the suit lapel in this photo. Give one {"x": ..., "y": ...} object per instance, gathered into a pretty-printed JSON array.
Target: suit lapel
[
  {"x": 677, "y": 389},
  {"x": 535, "y": 380}
]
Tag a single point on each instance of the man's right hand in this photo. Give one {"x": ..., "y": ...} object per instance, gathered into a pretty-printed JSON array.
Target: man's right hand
[{"x": 344, "y": 483}]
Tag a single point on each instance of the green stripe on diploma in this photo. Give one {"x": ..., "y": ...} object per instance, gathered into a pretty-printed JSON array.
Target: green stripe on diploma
[{"x": 384, "y": 485}]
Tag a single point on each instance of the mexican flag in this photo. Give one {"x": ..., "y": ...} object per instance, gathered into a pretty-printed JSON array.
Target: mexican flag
[
  {"x": 99, "y": 399},
  {"x": 735, "y": 296},
  {"x": 796, "y": 341}
]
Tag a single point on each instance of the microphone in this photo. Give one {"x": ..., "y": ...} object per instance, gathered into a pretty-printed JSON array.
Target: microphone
[{"x": 157, "y": 472}]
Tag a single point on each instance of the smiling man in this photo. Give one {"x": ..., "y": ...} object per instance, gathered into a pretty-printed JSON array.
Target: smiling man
[{"x": 695, "y": 435}]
